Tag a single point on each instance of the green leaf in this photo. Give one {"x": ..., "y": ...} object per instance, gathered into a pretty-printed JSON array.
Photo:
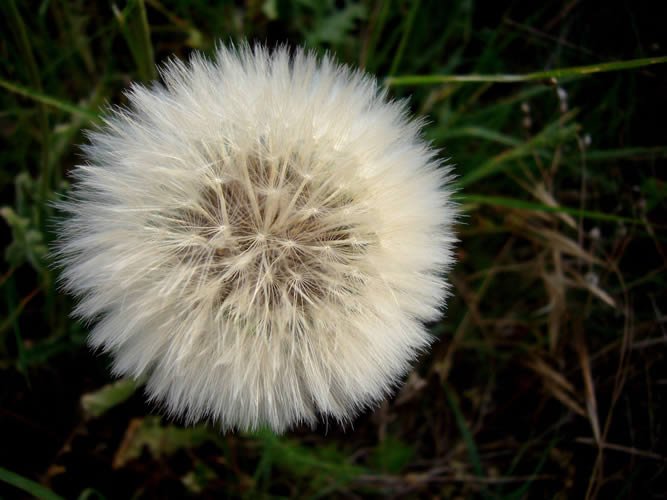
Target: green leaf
[
  {"x": 159, "y": 439},
  {"x": 27, "y": 241},
  {"x": 335, "y": 27},
  {"x": 96, "y": 404}
]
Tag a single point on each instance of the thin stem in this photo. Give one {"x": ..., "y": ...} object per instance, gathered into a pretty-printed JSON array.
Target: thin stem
[{"x": 576, "y": 71}]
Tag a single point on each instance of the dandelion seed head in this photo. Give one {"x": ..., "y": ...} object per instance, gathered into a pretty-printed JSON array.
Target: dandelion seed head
[{"x": 261, "y": 238}]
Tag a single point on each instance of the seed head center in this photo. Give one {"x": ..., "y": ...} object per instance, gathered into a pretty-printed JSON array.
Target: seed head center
[{"x": 287, "y": 235}]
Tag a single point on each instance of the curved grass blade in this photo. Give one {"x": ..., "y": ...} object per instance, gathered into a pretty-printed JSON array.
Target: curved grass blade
[
  {"x": 48, "y": 100},
  {"x": 27, "y": 485},
  {"x": 575, "y": 71}
]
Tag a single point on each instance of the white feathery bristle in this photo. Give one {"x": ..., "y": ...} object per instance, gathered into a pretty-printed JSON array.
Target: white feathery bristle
[{"x": 260, "y": 239}]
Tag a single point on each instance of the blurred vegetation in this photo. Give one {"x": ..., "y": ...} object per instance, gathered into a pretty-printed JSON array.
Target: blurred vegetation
[{"x": 549, "y": 376}]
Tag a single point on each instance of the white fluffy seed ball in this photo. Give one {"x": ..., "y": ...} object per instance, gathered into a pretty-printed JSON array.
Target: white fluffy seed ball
[{"x": 260, "y": 239}]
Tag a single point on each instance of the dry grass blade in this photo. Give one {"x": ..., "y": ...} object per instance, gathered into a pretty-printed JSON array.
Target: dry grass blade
[
  {"x": 623, "y": 449},
  {"x": 590, "y": 285},
  {"x": 554, "y": 284},
  {"x": 540, "y": 192},
  {"x": 562, "y": 243},
  {"x": 589, "y": 386},
  {"x": 556, "y": 384}
]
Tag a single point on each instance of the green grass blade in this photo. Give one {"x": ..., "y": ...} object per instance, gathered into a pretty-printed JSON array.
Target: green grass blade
[
  {"x": 27, "y": 485},
  {"x": 48, "y": 100},
  {"x": 368, "y": 54},
  {"x": 530, "y": 205},
  {"x": 482, "y": 133},
  {"x": 554, "y": 133},
  {"x": 14, "y": 311},
  {"x": 461, "y": 423},
  {"x": 627, "y": 153},
  {"x": 407, "y": 29},
  {"x": 575, "y": 71},
  {"x": 35, "y": 79},
  {"x": 133, "y": 23},
  {"x": 522, "y": 490}
]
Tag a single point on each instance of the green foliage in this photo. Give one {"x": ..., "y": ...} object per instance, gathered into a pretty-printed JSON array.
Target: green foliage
[
  {"x": 392, "y": 455},
  {"x": 321, "y": 468}
]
